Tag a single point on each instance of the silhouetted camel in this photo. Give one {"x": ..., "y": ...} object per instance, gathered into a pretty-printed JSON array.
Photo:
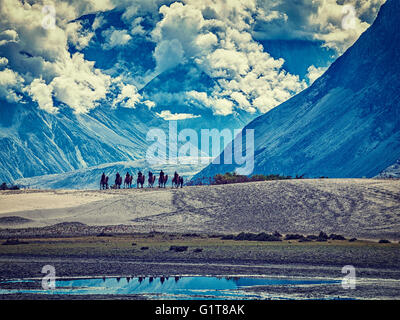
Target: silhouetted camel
[
  {"x": 140, "y": 180},
  {"x": 128, "y": 180},
  {"x": 162, "y": 181},
  {"x": 151, "y": 180}
]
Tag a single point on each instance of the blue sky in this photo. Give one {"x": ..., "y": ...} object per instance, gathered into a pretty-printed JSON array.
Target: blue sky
[{"x": 67, "y": 62}]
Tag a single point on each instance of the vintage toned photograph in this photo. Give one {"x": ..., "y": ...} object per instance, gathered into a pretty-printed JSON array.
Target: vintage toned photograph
[{"x": 176, "y": 150}]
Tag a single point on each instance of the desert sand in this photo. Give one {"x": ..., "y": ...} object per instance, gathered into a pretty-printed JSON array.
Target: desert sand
[{"x": 363, "y": 208}]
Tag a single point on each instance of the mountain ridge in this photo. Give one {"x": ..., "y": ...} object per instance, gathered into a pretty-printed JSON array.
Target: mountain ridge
[{"x": 346, "y": 124}]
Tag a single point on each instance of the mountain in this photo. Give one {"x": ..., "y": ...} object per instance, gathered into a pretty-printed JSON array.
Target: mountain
[
  {"x": 392, "y": 171},
  {"x": 347, "y": 124},
  {"x": 34, "y": 142}
]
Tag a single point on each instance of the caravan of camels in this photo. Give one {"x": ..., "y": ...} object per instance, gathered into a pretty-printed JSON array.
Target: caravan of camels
[{"x": 177, "y": 180}]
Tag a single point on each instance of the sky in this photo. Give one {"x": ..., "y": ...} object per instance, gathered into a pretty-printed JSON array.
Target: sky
[{"x": 43, "y": 47}]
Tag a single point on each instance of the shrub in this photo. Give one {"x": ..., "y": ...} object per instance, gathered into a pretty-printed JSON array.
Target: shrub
[
  {"x": 228, "y": 237},
  {"x": 384, "y": 241},
  {"x": 293, "y": 236},
  {"x": 336, "y": 237},
  {"x": 178, "y": 248}
]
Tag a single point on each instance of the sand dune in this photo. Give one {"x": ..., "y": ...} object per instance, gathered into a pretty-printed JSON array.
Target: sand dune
[{"x": 353, "y": 207}]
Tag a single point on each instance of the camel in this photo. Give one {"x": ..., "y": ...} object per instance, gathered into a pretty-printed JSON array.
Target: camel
[
  {"x": 128, "y": 180},
  {"x": 177, "y": 180},
  {"x": 103, "y": 182},
  {"x": 118, "y": 181},
  {"x": 162, "y": 181},
  {"x": 151, "y": 180},
  {"x": 140, "y": 180}
]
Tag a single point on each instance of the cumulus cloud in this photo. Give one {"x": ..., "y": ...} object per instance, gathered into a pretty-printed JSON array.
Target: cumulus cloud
[
  {"x": 40, "y": 60},
  {"x": 316, "y": 20},
  {"x": 3, "y": 61},
  {"x": 219, "y": 36},
  {"x": 314, "y": 73},
  {"x": 42, "y": 94},
  {"x": 168, "y": 54},
  {"x": 167, "y": 115},
  {"x": 128, "y": 96},
  {"x": 10, "y": 85},
  {"x": 115, "y": 38},
  {"x": 221, "y": 106},
  {"x": 216, "y": 35}
]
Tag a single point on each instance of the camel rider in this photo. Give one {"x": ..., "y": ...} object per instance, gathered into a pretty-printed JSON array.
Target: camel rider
[
  {"x": 150, "y": 174},
  {"x": 117, "y": 177},
  {"x": 162, "y": 175},
  {"x": 103, "y": 177},
  {"x": 139, "y": 174}
]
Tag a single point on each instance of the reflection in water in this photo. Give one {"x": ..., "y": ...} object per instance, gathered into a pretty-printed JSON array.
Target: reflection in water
[{"x": 174, "y": 288}]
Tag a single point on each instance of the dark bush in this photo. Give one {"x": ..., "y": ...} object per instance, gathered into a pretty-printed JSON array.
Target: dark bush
[
  {"x": 266, "y": 237},
  {"x": 190, "y": 235},
  {"x": 178, "y": 248},
  {"x": 384, "y": 241},
  {"x": 277, "y": 234},
  {"x": 103, "y": 234},
  {"x": 323, "y": 235},
  {"x": 228, "y": 237},
  {"x": 144, "y": 248},
  {"x": 352, "y": 239},
  {"x": 293, "y": 236},
  {"x": 9, "y": 242},
  {"x": 198, "y": 250},
  {"x": 245, "y": 236},
  {"x": 228, "y": 178},
  {"x": 336, "y": 237},
  {"x": 256, "y": 237},
  {"x": 312, "y": 237}
]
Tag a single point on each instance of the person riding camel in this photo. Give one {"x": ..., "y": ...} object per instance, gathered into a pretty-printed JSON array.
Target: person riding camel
[
  {"x": 150, "y": 174},
  {"x": 103, "y": 177},
  {"x": 140, "y": 174},
  {"x": 162, "y": 175}
]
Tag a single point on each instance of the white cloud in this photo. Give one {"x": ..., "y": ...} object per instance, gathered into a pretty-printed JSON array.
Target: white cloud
[
  {"x": 149, "y": 104},
  {"x": 3, "y": 61},
  {"x": 128, "y": 97},
  {"x": 42, "y": 94},
  {"x": 10, "y": 85},
  {"x": 220, "y": 106},
  {"x": 78, "y": 37},
  {"x": 7, "y": 36},
  {"x": 80, "y": 85},
  {"x": 98, "y": 22},
  {"x": 41, "y": 58},
  {"x": 315, "y": 20},
  {"x": 168, "y": 54},
  {"x": 314, "y": 73},
  {"x": 216, "y": 35},
  {"x": 167, "y": 115},
  {"x": 115, "y": 38}
]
